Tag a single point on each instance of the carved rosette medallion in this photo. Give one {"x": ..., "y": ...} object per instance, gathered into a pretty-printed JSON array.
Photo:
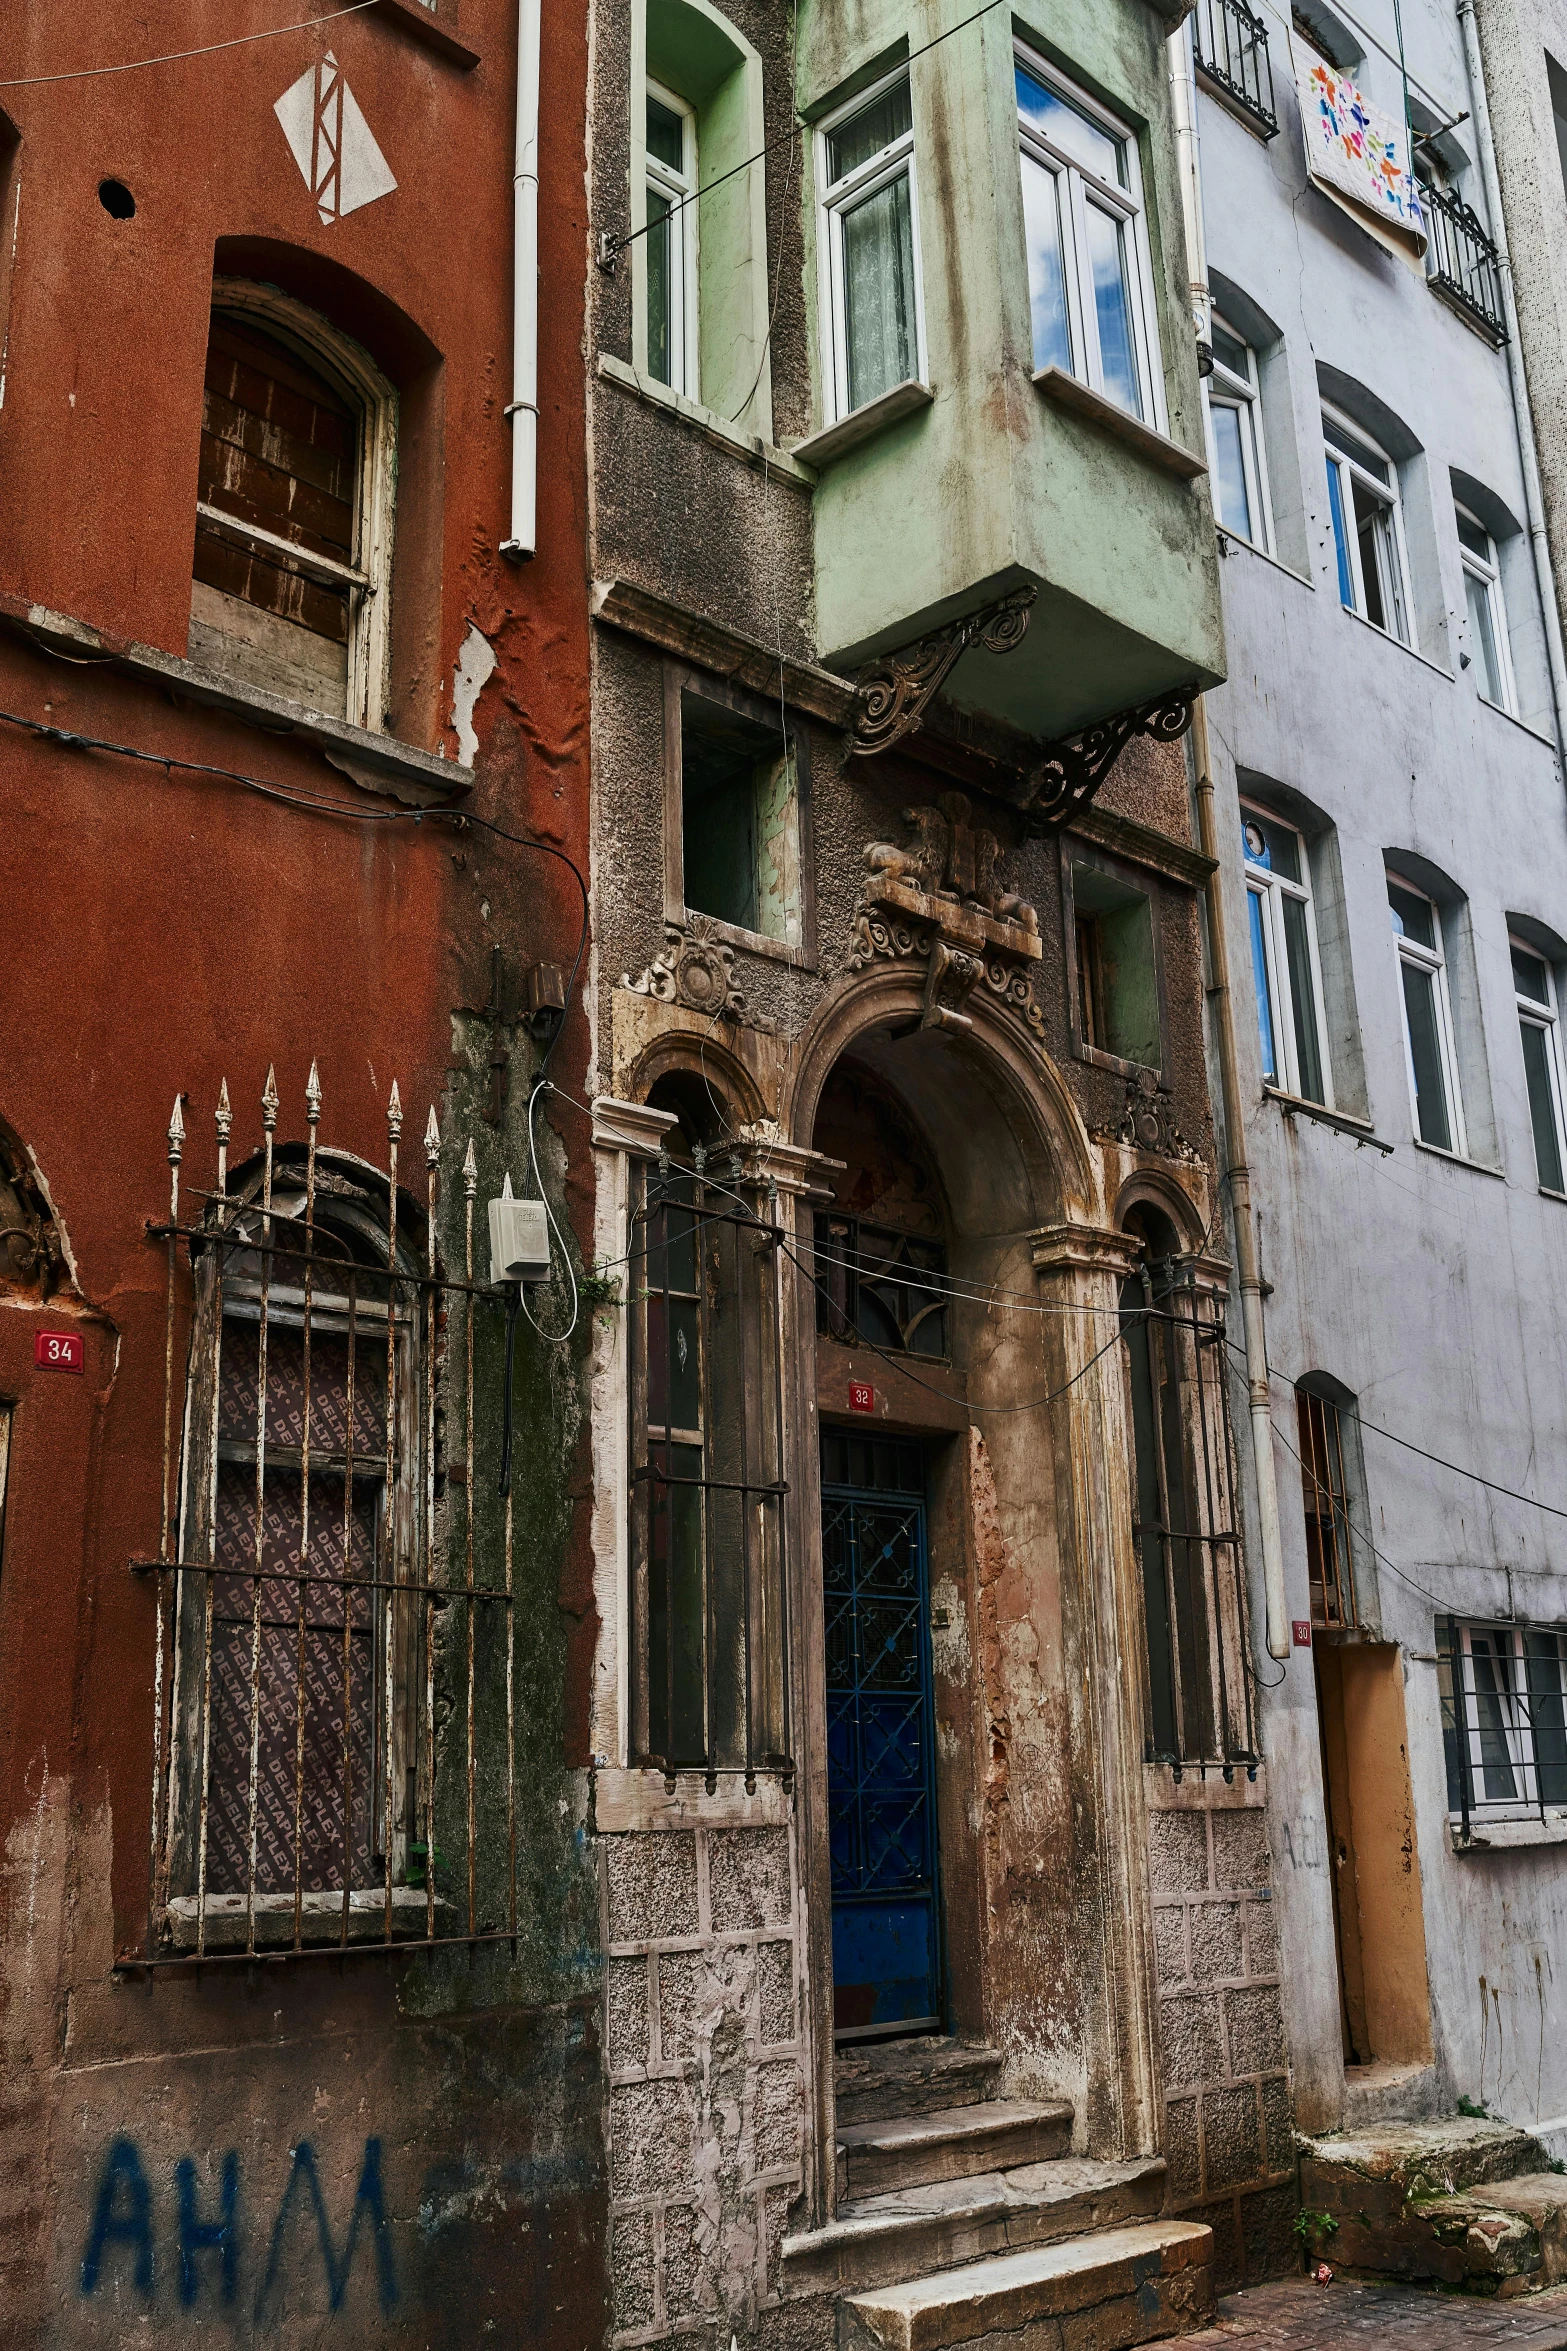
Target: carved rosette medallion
[
  {"x": 1148, "y": 1121},
  {"x": 937, "y": 899},
  {"x": 697, "y": 973}
]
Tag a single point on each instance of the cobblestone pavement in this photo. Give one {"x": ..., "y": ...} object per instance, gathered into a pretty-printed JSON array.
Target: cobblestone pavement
[{"x": 1295, "y": 2314}]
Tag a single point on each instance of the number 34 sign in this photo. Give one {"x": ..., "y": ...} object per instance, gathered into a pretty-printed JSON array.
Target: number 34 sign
[{"x": 59, "y": 1351}]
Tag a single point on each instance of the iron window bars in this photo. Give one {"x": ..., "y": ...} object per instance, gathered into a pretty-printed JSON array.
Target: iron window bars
[
  {"x": 334, "y": 1675},
  {"x": 883, "y": 1286},
  {"x": 709, "y": 1671},
  {"x": 1330, "y": 1558},
  {"x": 1203, "y": 1713},
  {"x": 1461, "y": 261},
  {"x": 1504, "y": 1725},
  {"x": 1230, "y": 45}
]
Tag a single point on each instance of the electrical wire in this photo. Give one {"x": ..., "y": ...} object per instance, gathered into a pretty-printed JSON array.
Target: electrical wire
[
  {"x": 82, "y": 73},
  {"x": 541, "y": 1085},
  {"x": 612, "y": 246}
]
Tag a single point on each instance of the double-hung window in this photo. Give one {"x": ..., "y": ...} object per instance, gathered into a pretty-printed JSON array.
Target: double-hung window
[
  {"x": 1284, "y": 958},
  {"x": 1540, "y": 1033},
  {"x": 1089, "y": 279},
  {"x": 1368, "y": 528},
  {"x": 1487, "y": 612},
  {"x": 1240, "y": 475},
  {"x": 1429, "y": 1056},
  {"x": 671, "y": 241},
  {"x": 873, "y": 325},
  {"x": 1504, "y": 1723}
]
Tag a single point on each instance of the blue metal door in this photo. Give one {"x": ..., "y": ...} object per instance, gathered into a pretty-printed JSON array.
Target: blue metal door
[{"x": 880, "y": 1737}]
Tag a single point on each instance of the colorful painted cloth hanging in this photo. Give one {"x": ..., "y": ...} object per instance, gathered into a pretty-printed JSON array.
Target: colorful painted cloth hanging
[{"x": 1359, "y": 155}]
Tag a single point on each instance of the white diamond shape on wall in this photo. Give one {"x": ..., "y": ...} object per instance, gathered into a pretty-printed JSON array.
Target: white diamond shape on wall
[{"x": 331, "y": 142}]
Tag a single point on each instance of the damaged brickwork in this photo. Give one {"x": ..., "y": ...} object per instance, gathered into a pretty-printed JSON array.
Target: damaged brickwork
[
  {"x": 703, "y": 2034},
  {"x": 1228, "y": 2120}
]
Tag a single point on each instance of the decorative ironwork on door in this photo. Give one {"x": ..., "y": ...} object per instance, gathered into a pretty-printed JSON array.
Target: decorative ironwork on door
[{"x": 880, "y": 1737}]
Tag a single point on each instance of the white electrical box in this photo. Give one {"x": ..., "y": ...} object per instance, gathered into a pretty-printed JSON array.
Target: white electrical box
[{"x": 519, "y": 1239}]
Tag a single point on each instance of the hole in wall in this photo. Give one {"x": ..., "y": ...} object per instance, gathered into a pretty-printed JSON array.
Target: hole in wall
[{"x": 116, "y": 199}]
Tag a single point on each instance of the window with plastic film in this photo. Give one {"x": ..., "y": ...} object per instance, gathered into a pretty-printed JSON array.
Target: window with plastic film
[
  {"x": 873, "y": 322},
  {"x": 707, "y": 1487},
  {"x": 1183, "y": 1512},
  {"x": 887, "y": 1288}
]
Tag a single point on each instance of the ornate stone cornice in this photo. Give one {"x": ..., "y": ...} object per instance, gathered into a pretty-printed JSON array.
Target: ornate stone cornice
[
  {"x": 939, "y": 898},
  {"x": 630, "y": 1126},
  {"x": 1084, "y": 1248}
]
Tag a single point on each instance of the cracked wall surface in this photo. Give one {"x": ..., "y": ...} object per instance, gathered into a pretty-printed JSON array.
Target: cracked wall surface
[{"x": 706, "y": 2081}]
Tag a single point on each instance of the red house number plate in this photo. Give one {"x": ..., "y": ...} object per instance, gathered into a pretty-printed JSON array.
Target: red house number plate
[
  {"x": 58, "y": 1351},
  {"x": 862, "y": 1396},
  {"x": 1300, "y": 1630}
]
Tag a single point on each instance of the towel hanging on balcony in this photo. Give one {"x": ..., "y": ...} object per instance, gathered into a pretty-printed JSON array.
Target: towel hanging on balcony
[{"x": 1359, "y": 156}]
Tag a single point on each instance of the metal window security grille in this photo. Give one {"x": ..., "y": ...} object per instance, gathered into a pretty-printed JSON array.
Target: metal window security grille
[
  {"x": 880, "y": 1285},
  {"x": 709, "y": 1673},
  {"x": 1230, "y": 45},
  {"x": 1202, "y": 1707},
  {"x": 334, "y": 1674},
  {"x": 1325, "y": 1491},
  {"x": 1462, "y": 262},
  {"x": 1504, "y": 1720},
  {"x": 880, "y": 1736}
]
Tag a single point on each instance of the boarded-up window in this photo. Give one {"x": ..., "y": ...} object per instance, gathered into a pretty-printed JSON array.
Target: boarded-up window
[{"x": 276, "y": 581}]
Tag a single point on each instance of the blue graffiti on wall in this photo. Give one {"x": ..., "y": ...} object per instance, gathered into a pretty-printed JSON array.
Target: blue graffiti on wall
[{"x": 122, "y": 2217}]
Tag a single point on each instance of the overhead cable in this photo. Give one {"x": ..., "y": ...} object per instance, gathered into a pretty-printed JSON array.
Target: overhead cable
[{"x": 82, "y": 73}]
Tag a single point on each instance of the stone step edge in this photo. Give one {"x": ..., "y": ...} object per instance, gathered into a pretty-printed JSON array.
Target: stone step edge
[
  {"x": 986, "y": 2115},
  {"x": 1030, "y": 2285}
]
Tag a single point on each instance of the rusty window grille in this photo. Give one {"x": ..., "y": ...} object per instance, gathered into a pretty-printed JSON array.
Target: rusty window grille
[
  {"x": 709, "y": 1663},
  {"x": 1462, "y": 263},
  {"x": 1504, "y": 1720},
  {"x": 886, "y": 1287},
  {"x": 1230, "y": 44},
  {"x": 1183, "y": 1522},
  {"x": 334, "y": 1753},
  {"x": 1325, "y": 1487}
]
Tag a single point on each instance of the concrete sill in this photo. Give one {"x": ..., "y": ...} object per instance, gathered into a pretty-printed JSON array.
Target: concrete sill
[
  {"x": 1457, "y": 1159},
  {"x": 629, "y": 1800},
  {"x": 1170, "y": 456},
  {"x": 321, "y": 1919},
  {"x": 377, "y": 763},
  {"x": 435, "y": 27},
  {"x": 734, "y": 934},
  {"x": 1098, "y": 1058},
  {"x": 1231, "y": 541},
  {"x": 1398, "y": 643},
  {"x": 864, "y": 424},
  {"x": 1500, "y": 1836},
  {"x": 1359, "y": 1130},
  {"x": 717, "y": 428}
]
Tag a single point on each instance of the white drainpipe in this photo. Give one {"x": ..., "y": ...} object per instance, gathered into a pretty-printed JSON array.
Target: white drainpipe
[
  {"x": 523, "y": 408},
  {"x": 1183, "y": 90},
  {"x": 1534, "y": 501}
]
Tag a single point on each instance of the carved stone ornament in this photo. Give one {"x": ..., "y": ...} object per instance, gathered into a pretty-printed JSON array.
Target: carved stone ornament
[
  {"x": 895, "y": 688},
  {"x": 938, "y": 899},
  {"x": 1071, "y": 772},
  {"x": 1148, "y": 1121},
  {"x": 695, "y": 972}
]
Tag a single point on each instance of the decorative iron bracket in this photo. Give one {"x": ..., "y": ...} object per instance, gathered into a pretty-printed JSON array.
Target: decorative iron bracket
[
  {"x": 1072, "y": 771},
  {"x": 895, "y": 687}
]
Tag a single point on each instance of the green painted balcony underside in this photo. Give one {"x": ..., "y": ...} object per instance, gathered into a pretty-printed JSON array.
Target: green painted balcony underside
[{"x": 994, "y": 485}]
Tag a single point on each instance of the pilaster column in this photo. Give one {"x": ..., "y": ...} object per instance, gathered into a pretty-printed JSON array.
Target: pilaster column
[{"x": 1080, "y": 1269}]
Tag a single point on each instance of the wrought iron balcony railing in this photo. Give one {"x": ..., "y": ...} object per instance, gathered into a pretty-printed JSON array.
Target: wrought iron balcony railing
[
  {"x": 1462, "y": 262},
  {"x": 1231, "y": 47}
]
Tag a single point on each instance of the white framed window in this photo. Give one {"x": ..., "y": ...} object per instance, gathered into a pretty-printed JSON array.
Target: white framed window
[
  {"x": 1504, "y": 1724},
  {"x": 1368, "y": 528},
  {"x": 1239, "y": 464},
  {"x": 1487, "y": 611},
  {"x": 671, "y": 241},
  {"x": 1090, "y": 281},
  {"x": 1539, "y": 1030},
  {"x": 873, "y": 327},
  {"x": 1284, "y": 959},
  {"x": 1429, "y": 1057}
]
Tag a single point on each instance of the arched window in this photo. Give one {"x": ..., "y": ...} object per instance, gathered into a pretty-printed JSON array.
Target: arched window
[
  {"x": 881, "y": 1249},
  {"x": 293, "y": 507},
  {"x": 706, "y": 1453},
  {"x": 1183, "y": 1514}
]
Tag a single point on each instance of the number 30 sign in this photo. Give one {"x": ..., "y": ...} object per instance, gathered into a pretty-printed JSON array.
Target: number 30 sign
[{"x": 59, "y": 1351}]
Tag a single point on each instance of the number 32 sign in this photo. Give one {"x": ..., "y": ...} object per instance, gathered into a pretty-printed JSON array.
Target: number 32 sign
[{"x": 59, "y": 1351}]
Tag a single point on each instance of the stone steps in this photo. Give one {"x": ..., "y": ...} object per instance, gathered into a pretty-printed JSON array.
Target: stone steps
[
  {"x": 1097, "y": 2293},
  {"x": 946, "y": 2224},
  {"x": 1464, "y": 2202},
  {"x": 954, "y": 2142},
  {"x": 877, "y": 2081}
]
